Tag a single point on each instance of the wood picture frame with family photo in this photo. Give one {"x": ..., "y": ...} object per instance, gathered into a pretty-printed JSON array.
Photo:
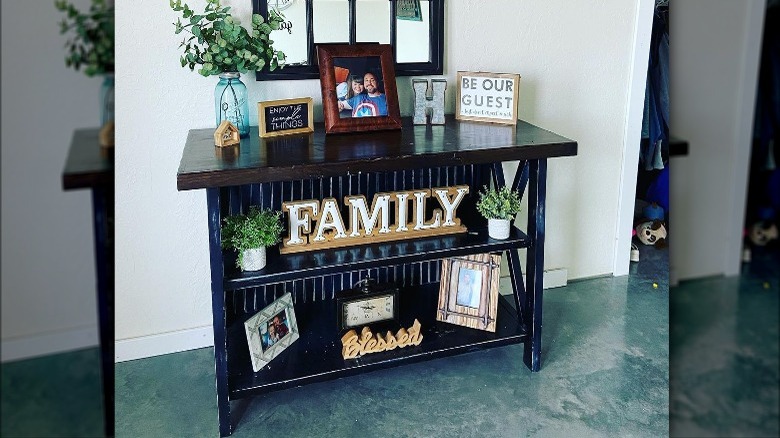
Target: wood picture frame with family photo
[
  {"x": 270, "y": 331},
  {"x": 468, "y": 292},
  {"x": 358, "y": 88}
]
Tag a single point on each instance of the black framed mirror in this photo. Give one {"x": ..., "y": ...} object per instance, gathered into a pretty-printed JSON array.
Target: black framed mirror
[{"x": 415, "y": 28}]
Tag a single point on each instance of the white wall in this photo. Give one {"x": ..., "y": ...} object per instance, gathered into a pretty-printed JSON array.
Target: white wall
[
  {"x": 714, "y": 52},
  {"x": 48, "y": 275},
  {"x": 575, "y": 62}
]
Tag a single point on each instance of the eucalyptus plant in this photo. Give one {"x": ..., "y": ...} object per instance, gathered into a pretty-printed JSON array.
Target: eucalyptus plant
[
  {"x": 91, "y": 40},
  {"x": 218, "y": 43},
  {"x": 258, "y": 228},
  {"x": 503, "y": 203}
]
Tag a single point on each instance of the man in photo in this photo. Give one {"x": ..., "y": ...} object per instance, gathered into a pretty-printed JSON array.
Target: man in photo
[
  {"x": 280, "y": 327},
  {"x": 372, "y": 103}
]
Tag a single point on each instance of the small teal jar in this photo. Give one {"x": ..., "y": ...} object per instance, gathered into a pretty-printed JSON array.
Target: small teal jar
[
  {"x": 230, "y": 102},
  {"x": 107, "y": 99}
]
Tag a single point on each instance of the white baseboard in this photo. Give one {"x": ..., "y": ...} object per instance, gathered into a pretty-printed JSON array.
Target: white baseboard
[
  {"x": 552, "y": 278},
  {"x": 165, "y": 343},
  {"x": 50, "y": 343},
  {"x": 555, "y": 278}
]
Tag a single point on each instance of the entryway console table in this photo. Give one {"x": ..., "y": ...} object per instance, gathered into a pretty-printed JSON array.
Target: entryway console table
[
  {"x": 267, "y": 172},
  {"x": 90, "y": 166}
]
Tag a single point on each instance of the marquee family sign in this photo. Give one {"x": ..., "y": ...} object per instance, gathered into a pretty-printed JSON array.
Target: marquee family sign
[{"x": 366, "y": 224}]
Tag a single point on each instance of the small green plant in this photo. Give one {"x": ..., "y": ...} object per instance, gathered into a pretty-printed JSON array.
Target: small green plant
[
  {"x": 258, "y": 228},
  {"x": 498, "y": 204},
  {"x": 91, "y": 39},
  {"x": 218, "y": 43}
]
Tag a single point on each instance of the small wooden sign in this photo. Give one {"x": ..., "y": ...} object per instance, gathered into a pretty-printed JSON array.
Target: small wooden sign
[
  {"x": 354, "y": 345},
  {"x": 487, "y": 97},
  {"x": 286, "y": 116}
]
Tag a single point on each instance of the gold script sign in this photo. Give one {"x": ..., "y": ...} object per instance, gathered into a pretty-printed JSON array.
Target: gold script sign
[
  {"x": 355, "y": 346},
  {"x": 370, "y": 225}
]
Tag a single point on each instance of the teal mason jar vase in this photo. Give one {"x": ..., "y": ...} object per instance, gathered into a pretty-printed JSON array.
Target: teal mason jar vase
[
  {"x": 107, "y": 99},
  {"x": 230, "y": 102}
]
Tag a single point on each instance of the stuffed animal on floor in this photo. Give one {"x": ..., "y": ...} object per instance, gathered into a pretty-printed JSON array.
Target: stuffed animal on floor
[
  {"x": 652, "y": 233},
  {"x": 762, "y": 233}
]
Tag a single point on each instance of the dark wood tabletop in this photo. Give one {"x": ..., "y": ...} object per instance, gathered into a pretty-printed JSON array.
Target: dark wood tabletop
[
  {"x": 88, "y": 165},
  {"x": 316, "y": 155}
]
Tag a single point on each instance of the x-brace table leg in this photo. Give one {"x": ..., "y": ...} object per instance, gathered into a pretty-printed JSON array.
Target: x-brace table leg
[{"x": 528, "y": 299}]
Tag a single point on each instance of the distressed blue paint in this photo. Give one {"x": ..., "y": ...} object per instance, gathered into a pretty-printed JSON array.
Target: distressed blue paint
[
  {"x": 535, "y": 263},
  {"x": 234, "y": 301},
  {"x": 218, "y": 309}
]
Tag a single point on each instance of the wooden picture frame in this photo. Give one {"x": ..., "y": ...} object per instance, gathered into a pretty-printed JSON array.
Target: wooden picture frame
[
  {"x": 468, "y": 292},
  {"x": 342, "y": 65},
  {"x": 285, "y": 117},
  {"x": 261, "y": 327},
  {"x": 487, "y": 97}
]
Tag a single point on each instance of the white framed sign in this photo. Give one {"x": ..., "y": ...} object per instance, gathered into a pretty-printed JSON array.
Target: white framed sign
[{"x": 487, "y": 97}]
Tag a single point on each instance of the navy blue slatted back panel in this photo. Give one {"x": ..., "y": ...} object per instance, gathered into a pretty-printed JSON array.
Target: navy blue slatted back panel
[{"x": 238, "y": 199}]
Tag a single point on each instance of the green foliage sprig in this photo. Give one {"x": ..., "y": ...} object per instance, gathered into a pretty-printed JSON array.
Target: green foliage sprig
[
  {"x": 91, "y": 42},
  {"x": 258, "y": 228},
  {"x": 498, "y": 204},
  {"x": 218, "y": 43}
]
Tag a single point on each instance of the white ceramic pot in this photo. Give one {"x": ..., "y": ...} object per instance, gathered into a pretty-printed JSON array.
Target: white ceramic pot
[
  {"x": 498, "y": 228},
  {"x": 253, "y": 259}
]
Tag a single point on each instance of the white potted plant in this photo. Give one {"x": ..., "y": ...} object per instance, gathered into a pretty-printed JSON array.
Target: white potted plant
[
  {"x": 499, "y": 207},
  {"x": 250, "y": 234}
]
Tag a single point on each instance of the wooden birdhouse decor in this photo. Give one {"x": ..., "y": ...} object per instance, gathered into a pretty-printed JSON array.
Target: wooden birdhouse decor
[
  {"x": 106, "y": 135},
  {"x": 226, "y": 134}
]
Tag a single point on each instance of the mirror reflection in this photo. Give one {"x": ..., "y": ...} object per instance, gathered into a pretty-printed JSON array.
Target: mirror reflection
[
  {"x": 416, "y": 30},
  {"x": 292, "y": 38},
  {"x": 331, "y": 21},
  {"x": 372, "y": 21},
  {"x": 413, "y": 31}
]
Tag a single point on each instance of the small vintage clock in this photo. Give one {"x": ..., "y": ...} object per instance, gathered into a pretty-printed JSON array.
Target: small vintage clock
[{"x": 367, "y": 303}]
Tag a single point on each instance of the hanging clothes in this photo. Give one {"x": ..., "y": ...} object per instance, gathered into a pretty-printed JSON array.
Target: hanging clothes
[
  {"x": 764, "y": 184},
  {"x": 655, "y": 121}
]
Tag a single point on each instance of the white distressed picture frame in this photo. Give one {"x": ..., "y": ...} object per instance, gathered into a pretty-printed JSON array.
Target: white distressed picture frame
[{"x": 259, "y": 357}]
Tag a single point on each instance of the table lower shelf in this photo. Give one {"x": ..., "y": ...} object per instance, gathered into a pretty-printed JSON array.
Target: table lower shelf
[
  {"x": 316, "y": 355},
  {"x": 287, "y": 267}
]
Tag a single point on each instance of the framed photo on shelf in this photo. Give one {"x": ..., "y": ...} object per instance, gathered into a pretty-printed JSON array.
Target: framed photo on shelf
[
  {"x": 358, "y": 87},
  {"x": 487, "y": 97},
  {"x": 270, "y": 331},
  {"x": 468, "y": 292}
]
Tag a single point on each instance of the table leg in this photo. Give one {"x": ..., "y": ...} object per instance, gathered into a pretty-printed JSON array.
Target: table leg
[
  {"x": 102, "y": 210},
  {"x": 535, "y": 263},
  {"x": 218, "y": 312}
]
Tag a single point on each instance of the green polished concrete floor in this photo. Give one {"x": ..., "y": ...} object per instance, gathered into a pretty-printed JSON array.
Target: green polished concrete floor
[
  {"x": 604, "y": 373},
  {"x": 52, "y": 396},
  {"x": 725, "y": 375}
]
